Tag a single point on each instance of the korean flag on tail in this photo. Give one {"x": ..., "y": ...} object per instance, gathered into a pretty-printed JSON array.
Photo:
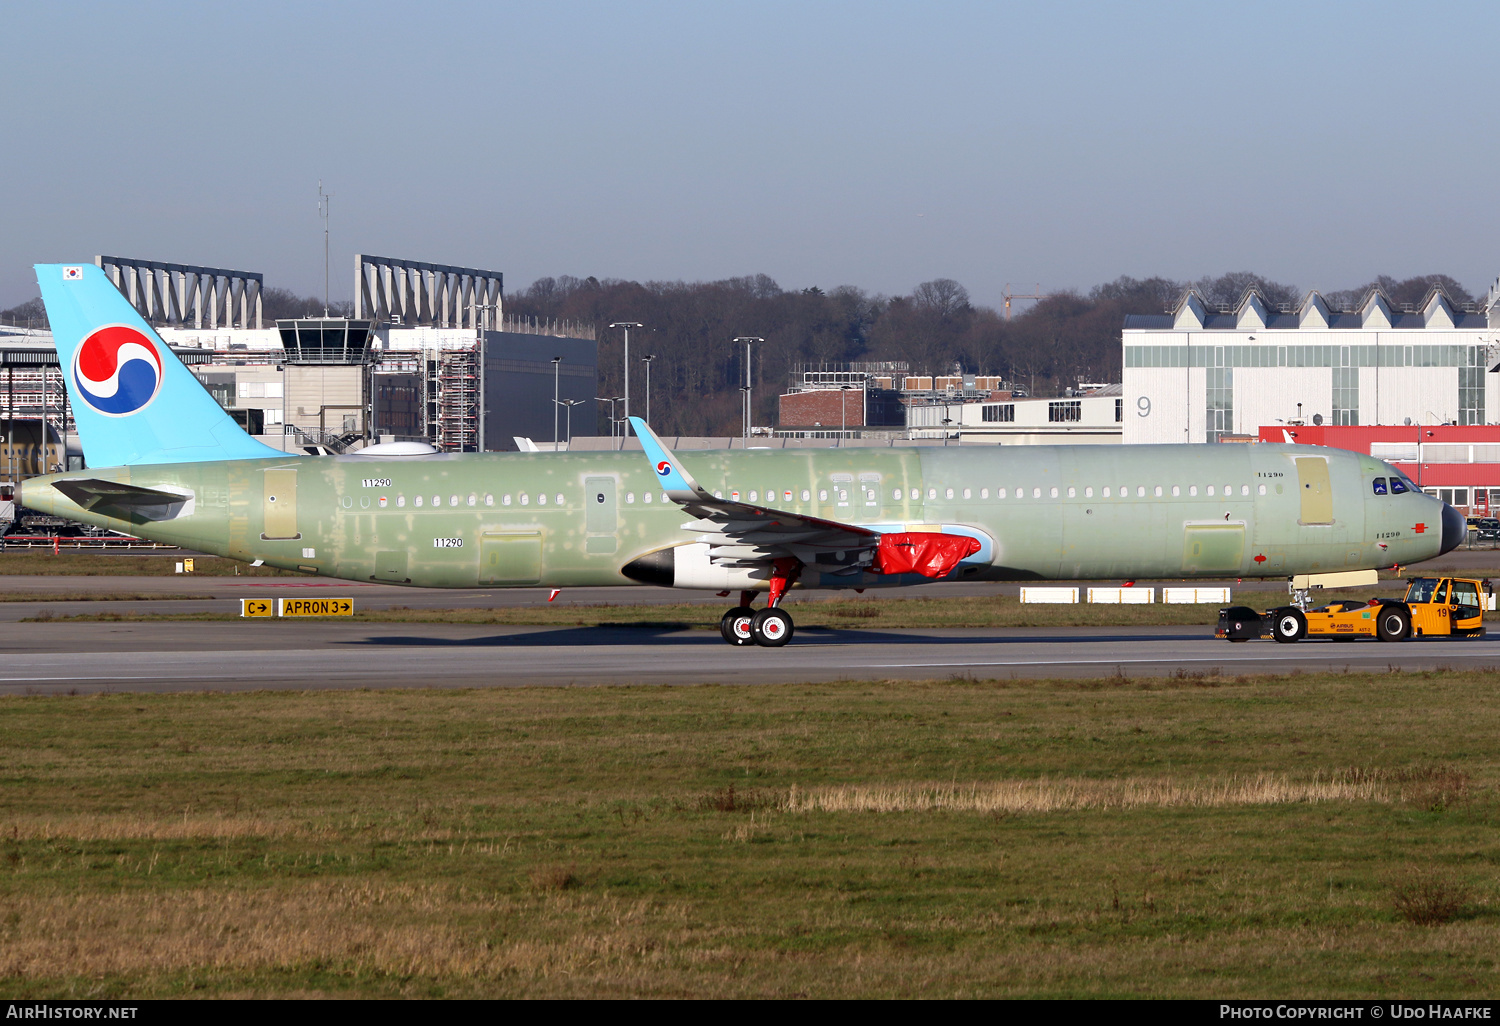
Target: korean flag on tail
[{"x": 72, "y": 274}]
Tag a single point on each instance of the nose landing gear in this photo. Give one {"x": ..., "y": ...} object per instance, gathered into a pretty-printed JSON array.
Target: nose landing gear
[{"x": 771, "y": 627}]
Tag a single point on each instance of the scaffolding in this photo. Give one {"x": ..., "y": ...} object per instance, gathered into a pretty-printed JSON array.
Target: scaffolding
[{"x": 458, "y": 400}]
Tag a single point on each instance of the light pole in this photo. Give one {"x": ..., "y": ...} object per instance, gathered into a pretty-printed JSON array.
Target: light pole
[
  {"x": 647, "y": 361},
  {"x": 627, "y": 325},
  {"x": 570, "y": 403},
  {"x": 611, "y": 401},
  {"x": 556, "y": 381},
  {"x": 748, "y": 339}
]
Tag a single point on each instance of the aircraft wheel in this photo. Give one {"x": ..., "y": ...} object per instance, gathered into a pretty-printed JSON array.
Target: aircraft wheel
[
  {"x": 1394, "y": 624},
  {"x": 1291, "y": 626},
  {"x": 772, "y": 628},
  {"x": 735, "y": 626}
]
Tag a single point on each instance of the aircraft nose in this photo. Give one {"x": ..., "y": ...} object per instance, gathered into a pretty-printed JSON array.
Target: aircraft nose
[{"x": 1455, "y": 529}]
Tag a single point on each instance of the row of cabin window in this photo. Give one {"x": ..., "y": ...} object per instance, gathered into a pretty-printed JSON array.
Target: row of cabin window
[
  {"x": 1141, "y": 492},
  {"x": 1157, "y": 491},
  {"x": 473, "y": 499}
]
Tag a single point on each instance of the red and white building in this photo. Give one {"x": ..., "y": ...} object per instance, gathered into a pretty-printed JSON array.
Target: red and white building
[{"x": 1459, "y": 464}]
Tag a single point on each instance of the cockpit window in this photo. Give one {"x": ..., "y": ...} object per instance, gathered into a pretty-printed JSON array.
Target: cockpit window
[
  {"x": 1380, "y": 486},
  {"x": 1398, "y": 486},
  {"x": 1421, "y": 588}
]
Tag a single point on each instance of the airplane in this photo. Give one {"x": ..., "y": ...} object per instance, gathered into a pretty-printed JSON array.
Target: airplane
[{"x": 165, "y": 462}]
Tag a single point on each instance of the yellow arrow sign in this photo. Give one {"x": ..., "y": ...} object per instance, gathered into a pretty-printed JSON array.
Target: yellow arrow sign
[
  {"x": 315, "y": 607},
  {"x": 257, "y": 607}
]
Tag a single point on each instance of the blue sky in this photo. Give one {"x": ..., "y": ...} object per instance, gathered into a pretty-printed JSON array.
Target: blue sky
[{"x": 822, "y": 143}]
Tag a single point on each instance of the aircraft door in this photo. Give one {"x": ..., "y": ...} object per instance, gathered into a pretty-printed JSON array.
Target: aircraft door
[
  {"x": 1316, "y": 490},
  {"x": 280, "y": 514},
  {"x": 510, "y": 557},
  {"x": 601, "y": 518},
  {"x": 1213, "y": 546}
]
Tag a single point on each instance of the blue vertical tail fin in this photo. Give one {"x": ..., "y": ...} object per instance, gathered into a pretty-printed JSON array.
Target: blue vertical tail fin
[{"x": 133, "y": 400}]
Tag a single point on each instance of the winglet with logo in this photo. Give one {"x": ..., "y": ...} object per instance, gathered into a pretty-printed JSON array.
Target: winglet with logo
[{"x": 675, "y": 479}]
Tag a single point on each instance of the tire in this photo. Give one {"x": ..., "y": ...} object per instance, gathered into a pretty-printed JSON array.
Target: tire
[
  {"x": 1393, "y": 624},
  {"x": 772, "y": 628},
  {"x": 1290, "y": 625},
  {"x": 735, "y": 626}
]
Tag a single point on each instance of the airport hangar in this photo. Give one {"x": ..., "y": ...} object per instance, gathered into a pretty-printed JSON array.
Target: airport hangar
[
  {"x": 428, "y": 356},
  {"x": 1415, "y": 385}
]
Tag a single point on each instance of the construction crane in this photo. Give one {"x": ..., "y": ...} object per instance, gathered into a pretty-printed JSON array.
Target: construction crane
[{"x": 1009, "y": 295}]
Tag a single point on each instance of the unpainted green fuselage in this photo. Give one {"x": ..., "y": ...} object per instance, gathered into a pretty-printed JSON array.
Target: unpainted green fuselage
[{"x": 576, "y": 519}]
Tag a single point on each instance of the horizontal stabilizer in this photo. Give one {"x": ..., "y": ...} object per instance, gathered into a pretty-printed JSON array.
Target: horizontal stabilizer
[{"x": 105, "y": 496}]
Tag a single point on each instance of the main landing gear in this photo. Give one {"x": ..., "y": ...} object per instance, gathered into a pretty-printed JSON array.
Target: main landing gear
[{"x": 770, "y": 627}]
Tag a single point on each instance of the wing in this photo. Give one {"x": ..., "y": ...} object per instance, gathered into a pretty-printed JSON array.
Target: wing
[{"x": 744, "y": 535}]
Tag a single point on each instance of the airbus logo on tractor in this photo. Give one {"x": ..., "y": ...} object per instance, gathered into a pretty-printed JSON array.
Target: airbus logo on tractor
[{"x": 118, "y": 371}]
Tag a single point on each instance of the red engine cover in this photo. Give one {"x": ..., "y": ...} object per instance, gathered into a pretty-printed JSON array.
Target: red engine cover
[{"x": 931, "y": 555}]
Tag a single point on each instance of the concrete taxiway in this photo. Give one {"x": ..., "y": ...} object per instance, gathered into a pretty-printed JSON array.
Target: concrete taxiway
[
  {"x": 52, "y": 658},
  {"x": 238, "y": 655}
]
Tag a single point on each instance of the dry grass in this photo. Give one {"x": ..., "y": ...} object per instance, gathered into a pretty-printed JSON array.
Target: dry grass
[
  {"x": 1429, "y": 897},
  {"x": 1053, "y": 795},
  {"x": 1062, "y": 838}
]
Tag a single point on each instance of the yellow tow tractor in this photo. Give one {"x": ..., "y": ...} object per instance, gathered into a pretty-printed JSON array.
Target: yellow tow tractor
[{"x": 1433, "y": 607}]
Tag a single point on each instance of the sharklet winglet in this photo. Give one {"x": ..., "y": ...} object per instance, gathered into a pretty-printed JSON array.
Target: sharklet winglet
[{"x": 675, "y": 479}]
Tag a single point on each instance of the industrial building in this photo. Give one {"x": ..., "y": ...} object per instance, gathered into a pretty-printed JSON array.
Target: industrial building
[{"x": 1198, "y": 375}]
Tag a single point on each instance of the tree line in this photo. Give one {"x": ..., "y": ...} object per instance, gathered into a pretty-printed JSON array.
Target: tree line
[
  {"x": 689, "y": 327},
  {"x": 1060, "y": 340}
]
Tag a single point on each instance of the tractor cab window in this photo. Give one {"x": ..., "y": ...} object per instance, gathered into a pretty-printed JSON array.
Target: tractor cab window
[
  {"x": 1421, "y": 589},
  {"x": 1399, "y": 486},
  {"x": 1466, "y": 598},
  {"x": 1380, "y": 486}
]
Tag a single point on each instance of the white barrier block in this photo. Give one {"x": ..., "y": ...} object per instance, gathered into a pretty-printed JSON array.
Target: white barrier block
[
  {"x": 1062, "y": 595},
  {"x": 1123, "y": 596},
  {"x": 1196, "y": 595}
]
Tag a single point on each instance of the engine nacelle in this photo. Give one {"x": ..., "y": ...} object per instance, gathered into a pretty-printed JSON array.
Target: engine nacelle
[{"x": 688, "y": 566}]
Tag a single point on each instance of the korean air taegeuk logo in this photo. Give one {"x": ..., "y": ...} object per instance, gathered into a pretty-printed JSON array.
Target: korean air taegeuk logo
[{"x": 117, "y": 371}]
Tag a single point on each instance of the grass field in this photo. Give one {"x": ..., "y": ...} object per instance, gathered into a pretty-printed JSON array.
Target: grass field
[
  {"x": 882, "y": 613},
  {"x": 1317, "y": 835},
  {"x": 844, "y": 613},
  {"x": 84, "y": 563}
]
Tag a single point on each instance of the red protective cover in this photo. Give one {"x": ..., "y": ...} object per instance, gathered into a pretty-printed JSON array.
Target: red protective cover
[{"x": 931, "y": 555}]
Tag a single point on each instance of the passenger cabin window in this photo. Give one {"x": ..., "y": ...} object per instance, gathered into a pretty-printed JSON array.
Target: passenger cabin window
[
  {"x": 1379, "y": 486},
  {"x": 646, "y": 497}
]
